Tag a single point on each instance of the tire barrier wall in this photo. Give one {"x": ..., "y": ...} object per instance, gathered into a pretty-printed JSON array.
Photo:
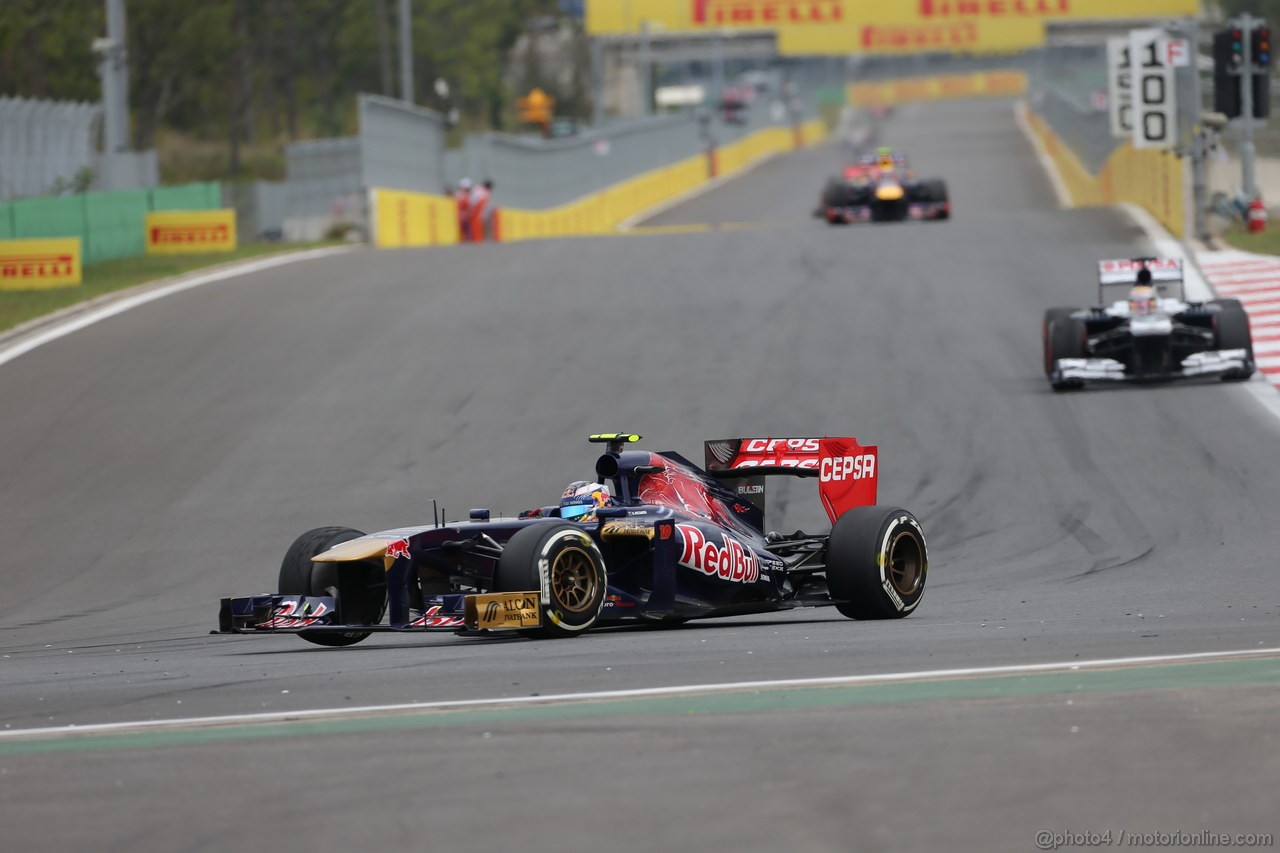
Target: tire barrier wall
[
  {"x": 939, "y": 87},
  {"x": 416, "y": 219},
  {"x": 1154, "y": 180},
  {"x": 108, "y": 224}
]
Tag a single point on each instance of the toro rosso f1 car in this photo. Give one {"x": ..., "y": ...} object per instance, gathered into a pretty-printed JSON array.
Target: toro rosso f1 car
[
  {"x": 1151, "y": 334},
  {"x": 672, "y": 542},
  {"x": 882, "y": 189}
]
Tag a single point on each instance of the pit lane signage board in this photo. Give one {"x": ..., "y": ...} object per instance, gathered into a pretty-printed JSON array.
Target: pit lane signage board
[
  {"x": 1155, "y": 101},
  {"x": 175, "y": 232},
  {"x": 1120, "y": 87},
  {"x": 40, "y": 264}
]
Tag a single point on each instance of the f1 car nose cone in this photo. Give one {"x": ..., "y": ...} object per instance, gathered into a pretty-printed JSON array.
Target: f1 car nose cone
[{"x": 889, "y": 192}]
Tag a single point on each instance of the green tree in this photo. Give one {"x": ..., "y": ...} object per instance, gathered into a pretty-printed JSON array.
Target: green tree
[
  {"x": 236, "y": 70},
  {"x": 46, "y": 48}
]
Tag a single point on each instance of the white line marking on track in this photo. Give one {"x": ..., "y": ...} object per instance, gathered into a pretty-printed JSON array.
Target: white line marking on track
[
  {"x": 83, "y": 321},
  {"x": 645, "y": 693}
]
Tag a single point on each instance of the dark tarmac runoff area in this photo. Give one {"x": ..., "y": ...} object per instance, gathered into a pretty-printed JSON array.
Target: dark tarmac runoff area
[{"x": 167, "y": 456}]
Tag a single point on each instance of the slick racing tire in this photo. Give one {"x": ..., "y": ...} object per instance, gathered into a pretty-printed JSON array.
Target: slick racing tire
[
  {"x": 937, "y": 191},
  {"x": 1231, "y": 331},
  {"x": 1049, "y": 316},
  {"x": 359, "y": 588},
  {"x": 877, "y": 563},
  {"x": 1068, "y": 338},
  {"x": 575, "y": 581}
]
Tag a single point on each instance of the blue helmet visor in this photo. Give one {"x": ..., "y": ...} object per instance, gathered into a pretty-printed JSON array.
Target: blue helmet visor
[{"x": 576, "y": 510}]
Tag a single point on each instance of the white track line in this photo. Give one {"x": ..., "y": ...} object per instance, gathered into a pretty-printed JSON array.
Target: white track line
[
  {"x": 119, "y": 306},
  {"x": 642, "y": 693}
]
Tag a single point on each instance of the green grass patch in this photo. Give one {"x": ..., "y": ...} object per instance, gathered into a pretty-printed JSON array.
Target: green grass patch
[
  {"x": 19, "y": 306},
  {"x": 1264, "y": 243}
]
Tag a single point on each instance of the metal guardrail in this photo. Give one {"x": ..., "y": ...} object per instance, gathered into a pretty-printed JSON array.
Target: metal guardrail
[{"x": 402, "y": 147}]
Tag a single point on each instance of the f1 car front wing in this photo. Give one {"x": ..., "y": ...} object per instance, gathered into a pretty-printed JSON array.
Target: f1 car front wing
[{"x": 1210, "y": 363}]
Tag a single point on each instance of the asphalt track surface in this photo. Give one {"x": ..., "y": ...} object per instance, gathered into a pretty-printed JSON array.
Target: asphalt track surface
[{"x": 167, "y": 456}]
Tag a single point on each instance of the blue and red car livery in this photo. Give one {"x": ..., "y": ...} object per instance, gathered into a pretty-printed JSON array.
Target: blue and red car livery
[{"x": 675, "y": 542}]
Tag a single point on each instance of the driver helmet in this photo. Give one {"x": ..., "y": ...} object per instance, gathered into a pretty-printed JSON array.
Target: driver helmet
[
  {"x": 582, "y": 498},
  {"x": 1143, "y": 300}
]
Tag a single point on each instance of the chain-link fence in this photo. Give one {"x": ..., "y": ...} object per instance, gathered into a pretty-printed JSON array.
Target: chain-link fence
[{"x": 46, "y": 147}]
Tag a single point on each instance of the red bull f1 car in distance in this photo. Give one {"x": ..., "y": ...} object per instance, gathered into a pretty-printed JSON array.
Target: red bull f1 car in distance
[
  {"x": 1149, "y": 333},
  {"x": 881, "y": 188},
  {"x": 657, "y": 539}
]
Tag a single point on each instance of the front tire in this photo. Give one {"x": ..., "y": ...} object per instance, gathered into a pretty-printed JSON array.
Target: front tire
[
  {"x": 936, "y": 191},
  {"x": 877, "y": 563},
  {"x": 575, "y": 578},
  {"x": 1050, "y": 315},
  {"x": 1231, "y": 331},
  {"x": 360, "y": 589},
  {"x": 1068, "y": 338}
]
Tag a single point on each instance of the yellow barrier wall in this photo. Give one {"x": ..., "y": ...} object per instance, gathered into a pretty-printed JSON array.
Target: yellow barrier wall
[
  {"x": 402, "y": 218},
  {"x": 602, "y": 212},
  {"x": 1150, "y": 179},
  {"x": 415, "y": 219}
]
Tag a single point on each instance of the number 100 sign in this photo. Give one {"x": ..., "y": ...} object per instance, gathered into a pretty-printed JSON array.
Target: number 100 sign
[{"x": 1152, "y": 59}]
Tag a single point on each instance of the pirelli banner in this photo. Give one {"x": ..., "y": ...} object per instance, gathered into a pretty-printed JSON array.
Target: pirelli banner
[
  {"x": 939, "y": 88},
  {"x": 40, "y": 264},
  {"x": 827, "y": 27},
  {"x": 184, "y": 232}
]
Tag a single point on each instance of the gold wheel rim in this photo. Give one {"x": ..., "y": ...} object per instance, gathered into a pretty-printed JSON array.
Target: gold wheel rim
[
  {"x": 574, "y": 580},
  {"x": 906, "y": 563}
]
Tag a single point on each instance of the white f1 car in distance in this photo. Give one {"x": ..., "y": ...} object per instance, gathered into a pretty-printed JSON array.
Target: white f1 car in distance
[{"x": 1151, "y": 334}]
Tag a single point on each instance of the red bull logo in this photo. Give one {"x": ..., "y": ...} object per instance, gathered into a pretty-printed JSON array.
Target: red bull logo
[
  {"x": 731, "y": 561},
  {"x": 292, "y": 613},
  {"x": 398, "y": 550}
]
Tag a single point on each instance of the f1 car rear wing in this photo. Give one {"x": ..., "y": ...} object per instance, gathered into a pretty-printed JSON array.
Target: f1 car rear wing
[
  {"x": 846, "y": 471},
  {"x": 1165, "y": 277}
]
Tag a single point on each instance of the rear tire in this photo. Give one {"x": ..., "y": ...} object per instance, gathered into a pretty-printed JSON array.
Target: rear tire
[
  {"x": 360, "y": 589},
  {"x": 1231, "y": 331},
  {"x": 576, "y": 581},
  {"x": 877, "y": 563}
]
